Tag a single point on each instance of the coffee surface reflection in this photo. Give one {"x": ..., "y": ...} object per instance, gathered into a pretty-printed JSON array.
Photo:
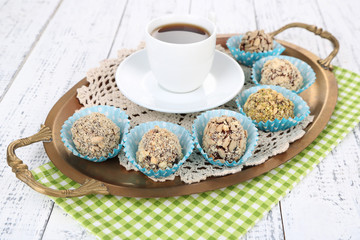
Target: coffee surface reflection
[{"x": 180, "y": 33}]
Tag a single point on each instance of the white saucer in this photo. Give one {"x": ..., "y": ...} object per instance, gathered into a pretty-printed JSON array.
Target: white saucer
[{"x": 136, "y": 81}]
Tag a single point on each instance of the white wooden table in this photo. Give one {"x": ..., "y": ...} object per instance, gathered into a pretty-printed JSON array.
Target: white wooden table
[{"x": 46, "y": 46}]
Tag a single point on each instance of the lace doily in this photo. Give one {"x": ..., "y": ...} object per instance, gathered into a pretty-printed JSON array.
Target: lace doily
[{"x": 102, "y": 90}]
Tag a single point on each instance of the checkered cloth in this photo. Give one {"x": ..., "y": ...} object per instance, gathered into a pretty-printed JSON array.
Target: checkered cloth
[{"x": 229, "y": 212}]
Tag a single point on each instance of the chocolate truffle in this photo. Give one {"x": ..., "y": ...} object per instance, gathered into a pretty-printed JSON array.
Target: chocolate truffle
[
  {"x": 267, "y": 104},
  {"x": 256, "y": 41},
  {"x": 158, "y": 149},
  {"x": 281, "y": 72},
  {"x": 224, "y": 139},
  {"x": 95, "y": 135}
]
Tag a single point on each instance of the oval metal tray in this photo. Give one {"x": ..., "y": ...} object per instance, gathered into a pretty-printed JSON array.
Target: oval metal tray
[{"x": 321, "y": 97}]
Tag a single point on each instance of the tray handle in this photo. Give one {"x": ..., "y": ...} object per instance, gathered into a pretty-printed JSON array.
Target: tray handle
[
  {"x": 325, "y": 63},
  {"x": 90, "y": 186}
]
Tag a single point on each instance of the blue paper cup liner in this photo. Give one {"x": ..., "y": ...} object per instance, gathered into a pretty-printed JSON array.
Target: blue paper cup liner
[
  {"x": 132, "y": 139},
  {"x": 301, "y": 109},
  {"x": 305, "y": 70},
  {"x": 116, "y": 115},
  {"x": 198, "y": 132},
  {"x": 249, "y": 58}
]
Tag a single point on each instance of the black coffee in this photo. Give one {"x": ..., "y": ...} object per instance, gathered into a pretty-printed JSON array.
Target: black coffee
[{"x": 180, "y": 33}]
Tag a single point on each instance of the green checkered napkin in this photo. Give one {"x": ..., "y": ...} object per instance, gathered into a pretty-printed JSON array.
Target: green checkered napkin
[{"x": 229, "y": 212}]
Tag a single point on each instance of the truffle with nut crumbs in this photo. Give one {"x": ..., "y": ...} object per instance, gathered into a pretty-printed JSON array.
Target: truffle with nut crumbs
[
  {"x": 267, "y": 104},
  {"x": 159, "y": 148},
  {"x": 281, "y": 72},
  {"x": 224, "y": 139},
  {"x": 95, "y": 135},
  {"x": 256, "y": 41}
]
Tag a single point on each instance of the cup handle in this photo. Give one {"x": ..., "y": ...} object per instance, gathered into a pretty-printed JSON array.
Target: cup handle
[{"x": 90, "y": 186}]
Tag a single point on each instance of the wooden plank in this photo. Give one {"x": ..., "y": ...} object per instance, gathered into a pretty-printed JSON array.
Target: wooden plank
[
  {"x": 22, "y": 23},
  {"x": 138, "y": 13},
  {"x": 3, "y": 3},
  {"x": 269, "y": 227},
  {"x": 79, "y": 35},
  {"x": 226, "y": 14},
  {"x": 63, "y": 226},
  {"x": 228, "y": 20},
  {"x": 342, "y": 20},
  {"x": 325, "y": 204}
]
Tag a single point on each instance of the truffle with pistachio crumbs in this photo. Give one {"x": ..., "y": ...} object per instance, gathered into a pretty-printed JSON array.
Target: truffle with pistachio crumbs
[{"x": 267, "y": 104}]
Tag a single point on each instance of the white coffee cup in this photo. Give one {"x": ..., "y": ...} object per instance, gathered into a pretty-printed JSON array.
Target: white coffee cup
[{"x": 181, "y": 67}]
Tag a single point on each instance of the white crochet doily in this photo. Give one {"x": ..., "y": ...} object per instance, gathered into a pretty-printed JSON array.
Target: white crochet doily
[{"x": 102, "y": 90}]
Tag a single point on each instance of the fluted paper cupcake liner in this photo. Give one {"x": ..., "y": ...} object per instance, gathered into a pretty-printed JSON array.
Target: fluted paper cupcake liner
[
  {"x": 116, "y": 115},
  {"x": 305, "y": 70},
  {"x": 132, "y": 139},
  {"x": 301, "y": 109},
  {"x": 198, "y": 132},
  {"x": 249, "y": 58}
]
